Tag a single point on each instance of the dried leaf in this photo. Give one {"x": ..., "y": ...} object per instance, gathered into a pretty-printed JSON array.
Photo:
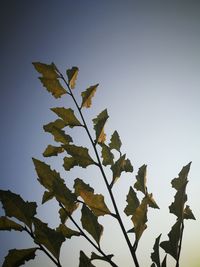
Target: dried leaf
[
  {"x": 47, "y": 196},
  {"x": 152, "y": 203},
  {"x": 107, "y": 155},
  {"x": 66, "y": 231},
  {"x": 15, "y": 206},
  {"x": 48, "y": 237},
  {"x": 155, "y": 255},
  {"x": 90, "y": 223},
  {"x": 94, "y": 256},
  {"x": 60, "y": 124},
  {"x": 87, "y": 96},
  {"x": 17, "y": 257},
  {"x": 84, "y": 261},
  {"x": 67, "y": 115},
  {"x": 132, "y": 201},
  {"x": 80, "y": 157},
  {"x": 52, "y": 151},
  {"x": 72, "y": 76},
  {"x": 115, "y": 142},
  {"x": 94, "y": 201},
  {"x": 7, "y": 224},
  {"x": 188, "y": 214},
  {"x": 140, "y": 185},
  {"x": 99, "y": 123}
]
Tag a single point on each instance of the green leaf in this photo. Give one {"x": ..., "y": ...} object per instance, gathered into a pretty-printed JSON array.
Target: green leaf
[
  {"x": 15, "y": 206},
  {"x": 90, "y": 223},
  {"x": 140, "y": 184},
  {"x": 87, "y": 96},
  {"x": 66, "y": 231},
  {"x": 67, "y": 115},
  {"x": 17, "y": 257},
  {"x": 72, "y": 76},
  {"x": 80, "y": 157},
  {"x": 132, "y": 201},
  {"x": 47, "y": 196},
  {"x": 151, "y": 201},
  {"x": 60, "y": 124},
  {"x": 172, "y": 245},
  {"x": 115, "y": 142},
  {"x": 94, "y": 201},
  {"x": 52, "y": 151},
  {"x": 84, "y": 261},
  {"x": 139, "y": 218},
  {"x": 48, "y": 237},
  {"x": 7, "y": 224},
  {"x": 49, "y": 78},
  {"x": 107, "y": 155},
  {"x": 94, "y": 256},
  {"x": 99, "y": 123},
  {"x": 188, "y": 214},
  {"x": 155, "y": 255},
  {"x": 52, "y": 181},
  {"x": 120, "y": 166}
]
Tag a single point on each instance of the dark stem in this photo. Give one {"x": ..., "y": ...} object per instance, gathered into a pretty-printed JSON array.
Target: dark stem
[
  {"x": 180, "y": 244},
  {"x": 104, "y": 176},
  {"x": 88, "y": 239},
  {"x": 57, "y": 263}
]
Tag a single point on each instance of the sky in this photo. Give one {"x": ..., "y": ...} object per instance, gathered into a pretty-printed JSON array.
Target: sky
[{"x": 145, "y": 56}]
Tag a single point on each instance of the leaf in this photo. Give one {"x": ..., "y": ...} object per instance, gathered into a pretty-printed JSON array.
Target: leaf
[
  {"x": 15, "y": 206},
  {"x": 52, "y": 181},
  {"x": 90, "y": 224},
  {"x": 67, "y": 115},
  {"x": 48, "y": 237},
  {"x": 48, "y": 71},
  {"x": 60, "y": 136},
  {"x": 7, "y": 224},
  {"x": 63, "y": 215},
  {"x": 115, "y": 142},
  {"x": 151, "y": 201},
  {"x": 155, "y": 255},
  {"x": 119, "y": 166},
  {"x": 84, "y": 261},
  {"x": 53, "y": 86},
  {"x": 47, "y": 196},
  {"x": 94, "y": 201},
  {"x": 139, "y": 218},
  {"x": 49, "y": 78},
  {"x": 99, "y": 123},
  {"x": 164, "y": 262},
  {"x": 132, "y": 201},
  {"x": 52, "y": 151},
  {"x": 171, "y": 246},
  {"x": 80, "y": 157},
  {"x": 107, "y": 155},
  {"x": 66, "y": 231},
  {"x": 87, "y": 96},
  {"x": 94, "y": 256},
  {"x": 60, "y": 124},
  {"x": 140, "y": 184},
  {"x": 177, "y": 207},
  {"x": 179, "y": 182},
  {"x": 17, "y": 257},
  {"x": 72, "y": 76},
  {"x": 188, "y": 214}
]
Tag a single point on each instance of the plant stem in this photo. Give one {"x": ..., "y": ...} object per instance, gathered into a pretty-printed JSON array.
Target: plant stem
[
  {"x": 133, "y": 254},
  {"x": 88, "y": 239},
  {"x": 180, "y": 244},
  {"x": 57, "y": 263}
]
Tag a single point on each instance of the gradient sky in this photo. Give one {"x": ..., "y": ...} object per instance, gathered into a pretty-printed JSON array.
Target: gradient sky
[{"x": 146, "y": 57}]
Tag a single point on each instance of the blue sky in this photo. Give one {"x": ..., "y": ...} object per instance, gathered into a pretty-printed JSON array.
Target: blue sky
[{"x": 145, "y": 56}]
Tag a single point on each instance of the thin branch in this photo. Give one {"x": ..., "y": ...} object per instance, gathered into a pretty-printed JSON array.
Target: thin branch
[
  {"x": 104, "y": 176},
  {"x": 88, "y": 239}
]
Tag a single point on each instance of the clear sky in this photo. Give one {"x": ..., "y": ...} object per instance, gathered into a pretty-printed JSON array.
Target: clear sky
[{"x": 146, "y": 57}]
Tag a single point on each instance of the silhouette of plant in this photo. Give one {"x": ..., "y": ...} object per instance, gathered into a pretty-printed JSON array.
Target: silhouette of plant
[{"x": 83, "y": 196}]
